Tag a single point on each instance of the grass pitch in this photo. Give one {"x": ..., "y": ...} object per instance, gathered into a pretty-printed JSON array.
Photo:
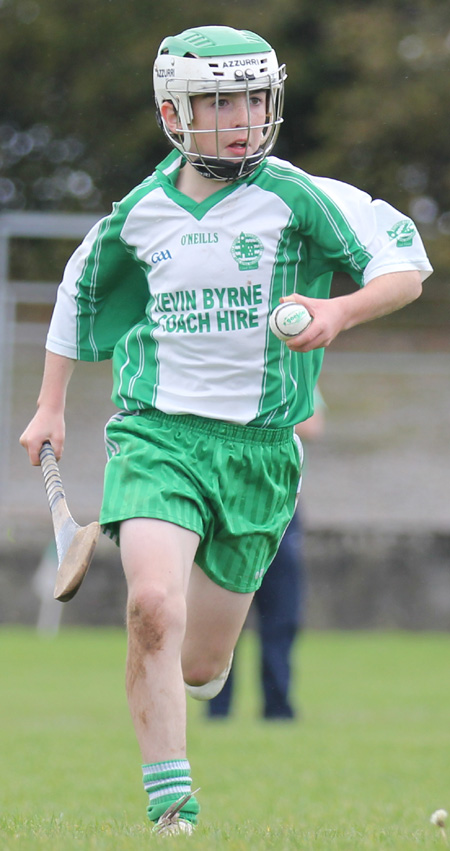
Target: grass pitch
[{"x": 364, "y": 767}]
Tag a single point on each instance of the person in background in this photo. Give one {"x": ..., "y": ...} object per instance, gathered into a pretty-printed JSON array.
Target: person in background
[{"x": 280, "y": 606}]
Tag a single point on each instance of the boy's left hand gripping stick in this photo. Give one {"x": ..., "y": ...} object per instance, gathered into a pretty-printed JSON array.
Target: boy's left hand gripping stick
[{"x": 75, "y": 544}]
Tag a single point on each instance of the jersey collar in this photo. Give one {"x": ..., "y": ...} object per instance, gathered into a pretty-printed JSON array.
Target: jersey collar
[{"x": 167, "y": 173}]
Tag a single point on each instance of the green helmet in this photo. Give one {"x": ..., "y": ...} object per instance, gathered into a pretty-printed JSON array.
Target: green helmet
[{"x": 218, "y": 60}]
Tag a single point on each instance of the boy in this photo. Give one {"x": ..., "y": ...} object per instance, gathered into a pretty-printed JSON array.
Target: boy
[{"x": 176, "y": 285}]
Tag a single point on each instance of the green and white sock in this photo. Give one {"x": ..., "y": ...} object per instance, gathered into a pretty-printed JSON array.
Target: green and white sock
[{"x": 167, "y": 782}]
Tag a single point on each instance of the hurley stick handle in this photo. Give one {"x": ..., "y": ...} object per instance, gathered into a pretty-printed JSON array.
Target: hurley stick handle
[{"x": 52, "y": 478}]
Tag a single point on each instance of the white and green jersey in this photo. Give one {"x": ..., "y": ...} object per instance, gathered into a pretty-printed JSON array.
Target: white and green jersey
[{"x": 178, "y": 293}]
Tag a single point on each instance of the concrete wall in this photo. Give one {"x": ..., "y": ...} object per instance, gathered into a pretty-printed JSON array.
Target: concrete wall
[
  {"x": 372, "y": 579},
  {"x": 363, "y": 580}
]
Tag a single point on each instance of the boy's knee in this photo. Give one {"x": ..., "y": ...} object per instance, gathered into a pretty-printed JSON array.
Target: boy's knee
[
  {"x": 198, "y": 672},
  {"x": 152, "y": 616},
  {"x": 197, "y": 675}
]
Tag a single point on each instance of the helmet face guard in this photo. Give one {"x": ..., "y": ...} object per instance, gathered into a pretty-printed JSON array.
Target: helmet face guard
[{"x": 217, "y": 61}]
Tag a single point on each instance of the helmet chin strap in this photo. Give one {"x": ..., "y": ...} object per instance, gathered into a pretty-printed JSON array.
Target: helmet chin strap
[{"x": 215, "y": 168}]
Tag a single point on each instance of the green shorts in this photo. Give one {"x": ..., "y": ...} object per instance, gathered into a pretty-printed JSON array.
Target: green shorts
[{"x": 235, "y": 486}]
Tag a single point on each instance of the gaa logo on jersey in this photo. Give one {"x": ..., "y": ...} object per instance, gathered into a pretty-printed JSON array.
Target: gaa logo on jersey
[
  {"x": 157, "y": 256},
  {"x": 404, "y": 232},
  {"x": 246, "y": 250}
]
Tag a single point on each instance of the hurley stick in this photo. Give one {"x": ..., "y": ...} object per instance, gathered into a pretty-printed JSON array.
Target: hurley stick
[{"x": 75, "y": 544}]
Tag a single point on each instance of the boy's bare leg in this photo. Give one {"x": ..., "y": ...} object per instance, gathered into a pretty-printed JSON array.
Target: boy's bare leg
[
  {"x": 157, "y": 559},
  {"x": 215, "y": 618},
  {"x": 176, "y": 616}
]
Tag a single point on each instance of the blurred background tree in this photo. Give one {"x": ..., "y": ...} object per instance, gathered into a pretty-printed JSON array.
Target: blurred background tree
[{"x": 367, "y": 99}]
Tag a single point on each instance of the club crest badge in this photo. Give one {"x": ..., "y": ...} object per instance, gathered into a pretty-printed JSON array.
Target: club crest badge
[
  {"x": 247, "y": 250},
  {"x": 404, "y": 232}
]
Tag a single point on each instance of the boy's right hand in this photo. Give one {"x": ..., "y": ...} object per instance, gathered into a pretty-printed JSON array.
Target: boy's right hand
[{"x": 44, "y": 426}]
